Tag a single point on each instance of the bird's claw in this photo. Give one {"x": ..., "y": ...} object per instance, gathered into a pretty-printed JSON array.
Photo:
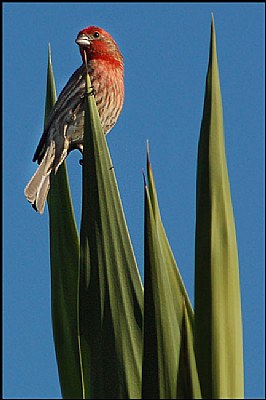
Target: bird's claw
[{"x": 91, "y": 92}]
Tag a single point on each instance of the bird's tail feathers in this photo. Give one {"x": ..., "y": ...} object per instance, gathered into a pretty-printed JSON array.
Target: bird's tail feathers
[{"x": 38, "y": 187}]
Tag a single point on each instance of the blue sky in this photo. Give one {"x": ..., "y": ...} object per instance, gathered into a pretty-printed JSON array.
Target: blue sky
[{"x": 165, "y": 47}]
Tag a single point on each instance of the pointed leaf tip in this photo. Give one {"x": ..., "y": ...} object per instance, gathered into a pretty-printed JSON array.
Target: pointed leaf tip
[
  {"x": 148, "y": 151},
  {"x": 49, "y": 52},
  {"x": 212, "y": 27},
  {"x": 144, "y": 178}
]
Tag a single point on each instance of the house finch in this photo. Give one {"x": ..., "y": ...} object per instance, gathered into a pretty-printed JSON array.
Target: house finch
[{"x": 64, "y": 129}]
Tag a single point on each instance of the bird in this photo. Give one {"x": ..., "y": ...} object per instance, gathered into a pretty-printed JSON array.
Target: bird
[{"x": 63, "y": 132}]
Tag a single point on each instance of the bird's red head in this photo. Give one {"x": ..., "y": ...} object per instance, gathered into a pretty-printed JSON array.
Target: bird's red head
[{"x": 99, "y": 44}]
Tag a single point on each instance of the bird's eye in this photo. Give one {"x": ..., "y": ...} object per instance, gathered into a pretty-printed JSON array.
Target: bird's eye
[{"x": 96, "y": 35}]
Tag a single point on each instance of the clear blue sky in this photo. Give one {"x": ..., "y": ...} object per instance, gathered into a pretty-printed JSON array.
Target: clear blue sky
[{"x": 165, "y": 47}]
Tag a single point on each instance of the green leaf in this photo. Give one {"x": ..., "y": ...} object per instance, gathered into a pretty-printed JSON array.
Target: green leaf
[
  {"x": 188, "y": 385},
  {"x": 161, "y": 329},
  {"x": 178, "y": 289},
  {"x": 111, "y": 293},
  {"x": 64, "y": 259},
  {"x": 218, "y": 324},
  {"x": 165, "y": 297}
]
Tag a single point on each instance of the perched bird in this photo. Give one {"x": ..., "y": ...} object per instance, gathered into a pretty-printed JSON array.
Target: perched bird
[{"x": 64, "y": 129}]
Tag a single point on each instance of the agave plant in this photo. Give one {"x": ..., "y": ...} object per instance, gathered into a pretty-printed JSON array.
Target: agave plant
[{"x": 115, "y": 339}]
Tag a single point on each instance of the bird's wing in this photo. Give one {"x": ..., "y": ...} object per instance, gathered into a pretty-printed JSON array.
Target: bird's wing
[{"x": 72, "y": 90}]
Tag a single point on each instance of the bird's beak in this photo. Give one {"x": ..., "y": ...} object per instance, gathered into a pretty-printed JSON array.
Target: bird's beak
[{"x": 83, "y": 40}]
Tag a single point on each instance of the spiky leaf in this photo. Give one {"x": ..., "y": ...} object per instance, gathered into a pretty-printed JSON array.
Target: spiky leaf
[
  {"x": 178, "y": 289},
  {"x": 111, "y": 293},
  {"x": 161, "y": 329},
  {"x": 188, "y": 384},
  {"x": 218, "y": 324},
  {"x": 64, "y": 259}
]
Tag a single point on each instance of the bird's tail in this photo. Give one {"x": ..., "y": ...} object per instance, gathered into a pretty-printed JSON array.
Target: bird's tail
[{"x": 38, "y": 187}]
